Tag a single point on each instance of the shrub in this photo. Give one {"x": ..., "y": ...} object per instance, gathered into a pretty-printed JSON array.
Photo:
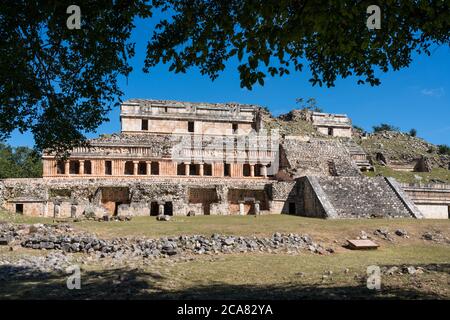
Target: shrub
[
  {"x": 413, "y": 132},
  {"x": 385, "y": 127},
  {"x": 443, "y": 149}
]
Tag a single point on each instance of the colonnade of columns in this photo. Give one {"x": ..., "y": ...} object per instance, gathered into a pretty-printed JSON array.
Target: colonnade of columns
[{"x": 106, "y": 168}]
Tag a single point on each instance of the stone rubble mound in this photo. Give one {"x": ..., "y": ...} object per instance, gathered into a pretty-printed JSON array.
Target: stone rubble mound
[
  {"x": 34, "y": 266},
  {"x": 64, "y": 238}
]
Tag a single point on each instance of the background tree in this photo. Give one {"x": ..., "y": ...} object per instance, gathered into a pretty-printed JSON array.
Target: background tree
[
  {"x": 20, "y": 162},
  {"x": 385, "y": 127},
  {"x": 412, "y": 132},
  {"x": 310, "y": 104},
  {"x": 444, "y": 149},
  {"x": 60, "y": 83}
]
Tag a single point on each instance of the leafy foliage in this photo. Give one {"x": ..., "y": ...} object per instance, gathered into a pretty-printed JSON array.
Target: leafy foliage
[
  {"x": 310, "y": 104},
  {"x": 276, "y": 37},
  {"x": 444, "y": 149},
  {"x": 412, "y": 132},
  {"x": 20, "y": 162},
  {"x": 60, "y": 83},
  {"x": 385, "y": 127}
]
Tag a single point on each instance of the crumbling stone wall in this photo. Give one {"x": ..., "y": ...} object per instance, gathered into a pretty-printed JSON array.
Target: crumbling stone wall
[
  {"x": 65, "y": 198},
  {"x": 317, "y": 157}
]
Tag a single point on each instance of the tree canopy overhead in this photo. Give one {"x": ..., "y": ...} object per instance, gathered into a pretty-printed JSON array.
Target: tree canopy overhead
[
  {"x": 275, "y": 37},
  {"x": 60, "y": 83}
]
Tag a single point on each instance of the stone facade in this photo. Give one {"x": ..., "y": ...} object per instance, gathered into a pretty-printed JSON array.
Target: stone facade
[{"x": 178, "y": 158}]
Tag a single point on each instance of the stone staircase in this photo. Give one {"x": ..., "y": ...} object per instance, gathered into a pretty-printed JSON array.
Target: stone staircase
[
  {"x": 362, "y": 197},
  {"x": 358, "y": 155}
]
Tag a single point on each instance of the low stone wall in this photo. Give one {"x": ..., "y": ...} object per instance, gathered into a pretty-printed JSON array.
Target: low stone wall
[{"x": 433, "y": 200}]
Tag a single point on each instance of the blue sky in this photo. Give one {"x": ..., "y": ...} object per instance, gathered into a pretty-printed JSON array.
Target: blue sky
[{"x": 417, "y": 97}]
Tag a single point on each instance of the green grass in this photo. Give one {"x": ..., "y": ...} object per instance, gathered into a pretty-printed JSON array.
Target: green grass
[
  {"x": 410, "y": 177},
  {"x": 253, "y": 276},
  {"x": 265, "y": 225},
  {"x": 262, "y": 225},
  {"x": 18, "y": 218}
]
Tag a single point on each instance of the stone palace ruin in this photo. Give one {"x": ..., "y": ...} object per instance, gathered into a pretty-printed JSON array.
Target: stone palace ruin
[{"x": 178, "y": 158}]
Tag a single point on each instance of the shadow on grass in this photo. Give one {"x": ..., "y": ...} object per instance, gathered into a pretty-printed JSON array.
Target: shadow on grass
[{"x": 23, "y": 283}]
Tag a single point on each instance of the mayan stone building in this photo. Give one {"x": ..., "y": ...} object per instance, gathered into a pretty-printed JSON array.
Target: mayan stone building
[{"x": 178, "y": 158}]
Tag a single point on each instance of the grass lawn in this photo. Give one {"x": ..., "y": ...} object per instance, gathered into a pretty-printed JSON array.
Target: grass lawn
[{"x": 253, "y": 276}]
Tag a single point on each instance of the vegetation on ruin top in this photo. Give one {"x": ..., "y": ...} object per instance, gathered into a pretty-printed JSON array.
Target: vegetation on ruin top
[{"x": 436, "y": 175}]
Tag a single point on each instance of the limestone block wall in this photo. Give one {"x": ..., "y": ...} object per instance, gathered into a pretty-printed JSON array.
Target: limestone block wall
[
  {"x": 433, "y": 200},
  {"x": 122, "y": 196},
  {"x": 316, "y": 157}
]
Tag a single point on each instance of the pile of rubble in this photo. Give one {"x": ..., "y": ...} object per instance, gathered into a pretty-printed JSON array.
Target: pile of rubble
[
  {"x": 435, "y": 236},
  {"x": 64, "y": 238},
  {"x": 33, "y": 266}
]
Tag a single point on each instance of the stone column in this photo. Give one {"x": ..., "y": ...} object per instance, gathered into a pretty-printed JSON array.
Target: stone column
[
  {"x": 257, "y": 211},
  {"x": 264, "y": 170},
  {"x": 135, "y": 167},
  {"x": 149, "y": 167},
  {"x": 81, "y": 167},
  {"x": 186, "y": 169},
  {"x": 56, "y": 210},
  {"x": 252, "y": 170},
  {"x": 241, "y": 208},
  {"x": 201, "y": 170},
  {"x": 73, "y": 211},
  {"x": 66, "y": 167},
  {"x": 160, "y": 208}
]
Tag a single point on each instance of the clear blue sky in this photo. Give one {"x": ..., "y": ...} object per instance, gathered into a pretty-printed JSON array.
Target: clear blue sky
[{"x": 416, "y": 97}]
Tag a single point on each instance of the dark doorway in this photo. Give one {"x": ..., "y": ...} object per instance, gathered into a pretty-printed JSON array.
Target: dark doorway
[
  {"x": 226, "y": 170},
  {"x": 142, "y": 168},
  {"x": 116, "y": 208},
  {"x": 207, "y": 169},
  {"x": 108, "y": 168},
  {"x": 246, "y": 170},
  {"x": 60, "y": 167},
  {"x": 292, "y": 208},
  {"x": 193, "y": 169},
  {"x": 129, "y": 168},
  {"x": 207, "y": 208},
  {"x": 154, "y": 208},
  {"x": 19, "y": 208},
  {"x": 181, "y": 167},
  {"x": 144, "y": 125},
  {"x": 74, "y": 167},
  {"x": 235, "y": 128},
  {"x": 155, "y": 168},
  {"x": 190, "y": 126},
  {"x": 168, "y": 208},
  {"x": 87, "y": 167},
  {"x": 330, "y": 131}
]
